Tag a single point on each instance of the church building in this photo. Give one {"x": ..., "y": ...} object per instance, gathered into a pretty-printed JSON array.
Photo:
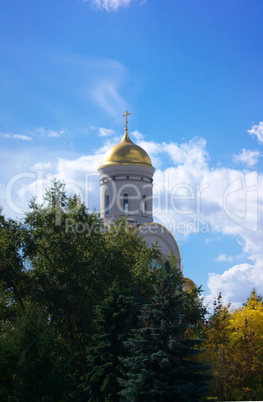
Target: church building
[{"x": 126, "y": 189}]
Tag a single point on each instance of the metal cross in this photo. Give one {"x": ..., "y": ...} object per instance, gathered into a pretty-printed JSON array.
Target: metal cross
[{"x": 126, "y": 114}]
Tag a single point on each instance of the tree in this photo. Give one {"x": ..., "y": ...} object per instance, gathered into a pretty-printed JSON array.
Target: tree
[
  {"x": 66, "y": 249},
  {"x": 14, "y": 279},
  {"x": 133, "y": 261},
  {"x": 234, "y": 350},
  {"x": 246, "y": 325},
  {"x": 73, "y": 261},
  {"x": 30, "y": 367},
  {"x": 62, "y": 260},
  {"x": 112, "y": 322},
  {"x": 161, "y": 364},
  {"x": 194, "y": 311},
  {"x": 217, "y": 351}
]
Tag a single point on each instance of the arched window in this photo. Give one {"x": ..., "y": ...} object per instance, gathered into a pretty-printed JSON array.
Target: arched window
[
  {"x": 107, "y": 204},
  {"x": 125, "y": 203},
  {"x": 144, "y": 206}
]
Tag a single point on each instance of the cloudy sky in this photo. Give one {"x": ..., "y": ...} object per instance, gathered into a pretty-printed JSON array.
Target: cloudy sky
[{"x": 190, "y": 73}]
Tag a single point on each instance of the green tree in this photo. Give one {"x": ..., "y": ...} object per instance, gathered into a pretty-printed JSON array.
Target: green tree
[
  {"x": 161, "y": 364},
  {"x": 218, "y": 353},
  {"x": 65, "y": 247},
  {"x": 14, "y": 279},
  {"x": 112, "y": 322},
  {"x": 63, "y": 259},
  {"x": 30, "y": 367},
  {"x": 73, "y": 260},
  {"x": 134, "y": 263}
]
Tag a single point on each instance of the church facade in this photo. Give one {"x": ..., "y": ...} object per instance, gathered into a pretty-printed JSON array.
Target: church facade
[{"x": 126, "y": 190}]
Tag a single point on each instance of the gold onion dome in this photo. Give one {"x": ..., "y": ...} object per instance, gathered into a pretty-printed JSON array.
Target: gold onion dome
[
  {"x": 188, "y": 284},
  {"x": 126, "y": 152}
]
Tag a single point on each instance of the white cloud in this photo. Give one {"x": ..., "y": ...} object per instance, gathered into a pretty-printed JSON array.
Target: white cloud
[
  {"x": 99, "y": 81},
  {"x": 16, "y": 136},
  {"x": 42, "y": 166},
  {"x": 105, "y": 93},
  {"x": 49, "y": 133},
  {"x": 192, "y": 153},
  {"x": 236, "y": 284},
  {"x": 193, "y": 198},
  {"x": 22, "y": 137},
  {"x": 105, "y": 132},
  {"x": 226, "y": 199},
  {"x": 153, "y": 149},
  {"x": 36, "y": 188},
  {"x": 248, "y": 157},
  {"x": 224, "y": 258},
  {"x": 110, "y": 5},
  {"x": 105, "y": 79},
  {"x": 110, "y": 142},
  {"x": 257, "y": 130},
  {"x": 137, "y": 135},
  {"x": 80, "y": 176}
]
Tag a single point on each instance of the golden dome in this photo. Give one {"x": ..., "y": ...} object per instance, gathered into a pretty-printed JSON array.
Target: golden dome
[
  {"x": 188, "y": 284},
  {"x": 126, "y": 152}
]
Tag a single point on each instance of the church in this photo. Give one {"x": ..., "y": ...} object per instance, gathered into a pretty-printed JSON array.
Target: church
[{"x": 126, "y": 190}]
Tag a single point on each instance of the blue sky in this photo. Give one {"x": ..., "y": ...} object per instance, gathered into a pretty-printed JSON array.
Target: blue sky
[{"x": 190, "y": 73}]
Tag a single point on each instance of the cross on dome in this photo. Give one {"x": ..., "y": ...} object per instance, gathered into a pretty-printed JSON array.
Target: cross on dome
[{"x": 126, "y": 114}]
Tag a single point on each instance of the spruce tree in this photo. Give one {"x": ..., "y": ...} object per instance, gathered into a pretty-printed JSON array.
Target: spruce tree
[
  {"x": 30, "y": 366},
  {"x": 111, "y": 326},
  {"x": 160, "y": 365}
]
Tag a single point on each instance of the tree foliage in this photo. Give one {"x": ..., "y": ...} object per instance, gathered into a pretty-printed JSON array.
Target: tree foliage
[
  {"x": 160, "y": 365},
  {"x": 13, "y": 279},
  {"x": 30, "y": 367},
  {"x": 70, "y": 292},
  {"x": 63, "y": 259},
  {"x": 234, "y": 350},
  {"x": 246, "y": 325},
  {"x": 112, "y": 321}
]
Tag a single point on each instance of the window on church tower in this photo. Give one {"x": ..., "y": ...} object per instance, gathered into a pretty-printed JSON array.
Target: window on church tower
[
  {"x": 107, "y": 205},
  {"x": 144, "y": 204},
  {"x": 125, "y": 203}
]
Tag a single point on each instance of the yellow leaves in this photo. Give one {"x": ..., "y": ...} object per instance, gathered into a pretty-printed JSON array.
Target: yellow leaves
[
  {"x": 247, "y": 323},
  {"x": 234, "y": 349},
  {"x": 254, "y": 303}
]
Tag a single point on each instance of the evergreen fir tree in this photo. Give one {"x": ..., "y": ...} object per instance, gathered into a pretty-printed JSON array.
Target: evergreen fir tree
[
  {"x": 161, "y": 365},
  {"x": 111, "y": 325},
  {"x": 30, "y": 366}
]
